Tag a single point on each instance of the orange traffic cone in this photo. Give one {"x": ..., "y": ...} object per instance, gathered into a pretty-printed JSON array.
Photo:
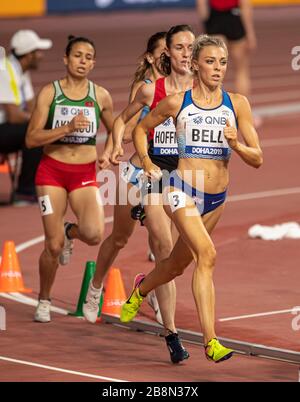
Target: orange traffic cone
[
  {"x": 4, "y": 167},
  {"x": 114, "y": 295},
  {"x": 10, "y": 273}
]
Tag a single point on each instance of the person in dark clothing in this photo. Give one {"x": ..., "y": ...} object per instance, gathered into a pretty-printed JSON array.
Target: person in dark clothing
[{"x": 16, "y": 104}]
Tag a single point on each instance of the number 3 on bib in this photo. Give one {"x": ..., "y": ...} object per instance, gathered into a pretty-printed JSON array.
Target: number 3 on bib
[{"x": 177, "y": 200}]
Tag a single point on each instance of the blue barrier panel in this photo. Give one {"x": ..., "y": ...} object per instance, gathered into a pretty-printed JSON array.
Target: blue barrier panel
[{"x": 107, "y": 5}]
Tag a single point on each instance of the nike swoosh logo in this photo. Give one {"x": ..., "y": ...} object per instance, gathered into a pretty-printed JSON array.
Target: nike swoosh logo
[
  {"x": 87, "y": 182},
  {"x": 61, "y": 100},
  {"x": 193, "y": 114},
  {"x": 216, "y": 202}
]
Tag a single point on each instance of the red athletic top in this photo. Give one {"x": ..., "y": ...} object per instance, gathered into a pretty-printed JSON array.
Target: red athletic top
[
  {"x": 223, "y": 5},
  {"x": 159, "y": 94}
]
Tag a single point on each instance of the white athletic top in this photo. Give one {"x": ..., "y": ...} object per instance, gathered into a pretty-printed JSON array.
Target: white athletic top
[
  {"x": 200, "y": 132},
  {"x": 15, "y": 86}
]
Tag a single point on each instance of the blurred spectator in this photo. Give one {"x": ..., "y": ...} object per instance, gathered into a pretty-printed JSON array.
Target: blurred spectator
[
  {"x": 233, "y": 20},
  {"x": 16, "y": 104}
]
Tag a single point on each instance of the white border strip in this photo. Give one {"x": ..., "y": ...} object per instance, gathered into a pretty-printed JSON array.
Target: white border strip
[
  {"x": 78, "y": 373},
  {"x": 20, "y": 298},
  {"x": 29, "y": 243},
  {"x": 231, "y": 198},
  {"x": 264, "y": 194},
  {"x": 259, "y": 314},
  {"x": 39, "y": 239},
  {"x": 280, "y": 142},
  {"x": 277, "y": 110}
]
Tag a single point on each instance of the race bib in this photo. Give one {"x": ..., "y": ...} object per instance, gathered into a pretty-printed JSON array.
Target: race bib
[
  {"x": 131, "y": 174},
  {"x": 206, "y": 140},
  {"x": 45, "y": 205},
  {"x": 64, "y": 114},
  {"x": 177, "y": 200},
  {"x": 164, "y": 139}
]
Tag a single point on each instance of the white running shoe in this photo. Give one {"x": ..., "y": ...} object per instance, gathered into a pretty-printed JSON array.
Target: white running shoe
[
  {"x": 153, "y": 303},
  {"x": 90, "y": 307},
  {"x": 42, "y": 312},
  {"x": 67, "y": 250},
  {"x": 151, "y": 256}
]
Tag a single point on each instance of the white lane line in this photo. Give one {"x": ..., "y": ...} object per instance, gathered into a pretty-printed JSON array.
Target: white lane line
[
  {"x": 280, "y": 142},
  {"x": 29, "y": 301},
  {"x": 264, "y": 194},
  {"x": 29, "y": 243},
  {"x": 271, "y": 96},
  {"x": 52, "y": 368},
  {"x": 231, "y": 198},
  {"x": 277, "y": 109},
  {"x": 39, "y": 239},
  {"x": 241, "y": 317},
  {"x": 267, "y": 82}
]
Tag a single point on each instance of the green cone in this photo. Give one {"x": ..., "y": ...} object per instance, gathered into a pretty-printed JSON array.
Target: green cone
[{"x": 90, "y": 269}]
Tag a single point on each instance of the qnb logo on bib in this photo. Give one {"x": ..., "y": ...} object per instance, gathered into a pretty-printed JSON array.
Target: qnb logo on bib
[{"x": 164, "y": 140}]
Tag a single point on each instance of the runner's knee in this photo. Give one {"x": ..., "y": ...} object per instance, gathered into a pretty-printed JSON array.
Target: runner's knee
[
  {"x": 206, "y": 259},
  {"x": 92, "y": 236},
  {"x": 162, "y": 248},
  {"x": 120, "y": 241},
  {"x": 174, "y": 268},
  {"x": 54, "y": 247}
]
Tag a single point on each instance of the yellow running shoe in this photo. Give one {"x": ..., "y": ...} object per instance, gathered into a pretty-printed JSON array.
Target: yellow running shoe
[
  {"x": 216, "y": 352},
  {"x": 131, "y": 306}
]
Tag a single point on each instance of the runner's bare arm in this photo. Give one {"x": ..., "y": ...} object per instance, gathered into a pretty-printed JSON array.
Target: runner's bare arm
[
  {"x": 143, "y": 98},
  {"x": 105, "y": 101},
  {"x": 168, "y": 107},
  {"x": 130, "y": 126},
  {"x": 250, "y": 152}
]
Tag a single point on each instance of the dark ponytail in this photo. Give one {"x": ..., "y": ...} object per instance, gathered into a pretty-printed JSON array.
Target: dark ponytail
[{"x": 144, "y": 64}]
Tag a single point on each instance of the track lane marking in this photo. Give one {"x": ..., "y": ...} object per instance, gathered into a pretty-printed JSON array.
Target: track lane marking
[
  {"x": 264, "y": 194},
  {"x": 61, "y": 370},
  {"x": 241, "y": 317}
]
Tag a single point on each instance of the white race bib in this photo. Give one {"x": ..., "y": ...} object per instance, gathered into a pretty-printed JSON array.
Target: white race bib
[
  {"x": 177, "y": 200},
  {"x": 45, "y": 205},
  {"x": 130, "y": 173},
  {"x": 64, "y": 114},
  {"x": 206, "y": 140},
  {"x": 164, "y": 139}
]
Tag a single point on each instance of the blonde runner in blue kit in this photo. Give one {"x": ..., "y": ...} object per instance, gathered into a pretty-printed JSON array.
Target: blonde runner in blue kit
[
  {"x": 206, "y": 119},
  {"x": 176, "y": 55},
  {"x": 201, "y": 135}
]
